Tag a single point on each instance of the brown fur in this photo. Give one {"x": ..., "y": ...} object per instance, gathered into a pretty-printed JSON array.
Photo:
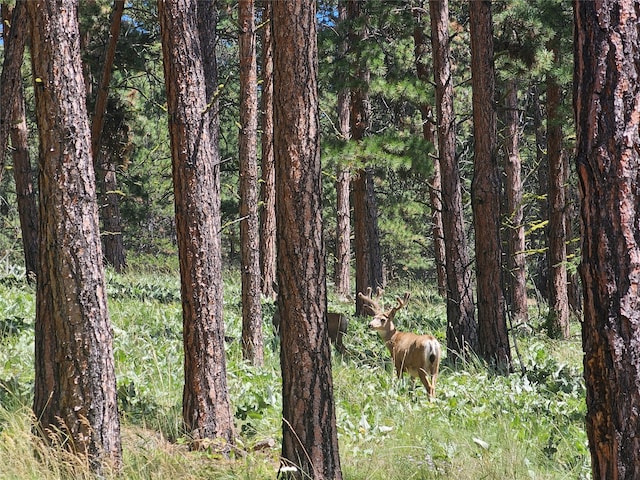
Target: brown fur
[
  {"x": 337, "y": 324},
  {"x": 418, "y": 355}
]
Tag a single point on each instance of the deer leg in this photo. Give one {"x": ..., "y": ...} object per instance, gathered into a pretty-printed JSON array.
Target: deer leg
[
  {"x": 399, "y": 364},
  {"x": 431, "y": 390},
  {"x": 434, "y": 379}
]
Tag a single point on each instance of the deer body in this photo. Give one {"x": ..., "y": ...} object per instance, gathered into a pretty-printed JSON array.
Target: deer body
[
  {"x": 417, "y": 355},
  {"x": 338, "y": 324}
]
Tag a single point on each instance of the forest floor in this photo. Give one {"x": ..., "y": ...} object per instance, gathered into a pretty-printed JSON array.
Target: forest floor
[{"x": 527, "y": 425}]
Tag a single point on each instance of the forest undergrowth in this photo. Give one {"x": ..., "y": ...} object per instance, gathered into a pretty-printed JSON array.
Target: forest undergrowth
[{"x": 528, "y": 425}]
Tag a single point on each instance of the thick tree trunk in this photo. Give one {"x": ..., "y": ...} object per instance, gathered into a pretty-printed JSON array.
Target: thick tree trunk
[
  {"x": 558, "y": 318},
  {"x": 485, "y": 193},
  {"x": 309, "y": 434},
  {"x": 367, "y": 235},
  {"x": 196, "y": 177},
  {"x": 114, "y": 252},
  {"x": 268, "y": 184},
  {"x": 368, "y": 258},
  {"x": 252, "y": 343},
  {"x": 342, "y": 275},
  {"x": 462, "y": 329},
  {"x": 75, "y": 384},
  {"x": 22, "y": 171},
  {"x": 606, "y": 92},
  {"x": 429, "y": 133},
  {"x": 516, "y": 267}
]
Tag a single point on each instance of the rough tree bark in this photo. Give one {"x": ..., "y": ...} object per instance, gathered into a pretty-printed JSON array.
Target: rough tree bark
[
  {"x": 75, "y": 384},
  {"x": 368, "y": 257},
  {"x": 252, "y": 343},
  {"x": 11, "y": 79},
  {"x": 516, "y": 265},
  {"x": 309, "y": 434},
  {"x": 22, "y": 171},
  {"x": 485, "y": 193},
  {"x": 342, "y": 277},
  {"x": 184, "y": 26},
  {"x": 606, "y": 95},
  {"x": 558, "y": 318},
  {"x": 268, "y": 183},
  {"x": 462, "y": 329}
]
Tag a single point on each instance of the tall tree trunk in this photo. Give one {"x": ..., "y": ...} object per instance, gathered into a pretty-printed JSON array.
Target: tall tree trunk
[
  {"x": 558, "y": 319},
  {"x": 366, "y": 233},
  {"x": 429, "y": 133},
  {"x": 485, "y": 192},
  {"x": 75, "y": 384},
  {"x": 114, "y": 251},
  {"x": 309, "y": 433},
  {"x": 462, "y": 329},
  {"x": 268, "y": 183},
  {"x": 252, "y": 344},
  {"x": 22, "y": 171},
  {"x": 606, "y": 93},
  {"x": 516, "y": 267},
  {"x": 365, "y": 211},
  {"x": 109, "y": 196},
  {"x": 540, "y": 237},
  {"x": 11, "y": 79},
  {"x": 343, "y": 183},
  {"x": 187, "y": 28},
  {"x": 25, "y": 191},
  {"x": 343, "y": 229}
]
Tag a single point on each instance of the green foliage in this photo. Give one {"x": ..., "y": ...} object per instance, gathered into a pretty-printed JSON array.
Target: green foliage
[
  {"x": 139, "y": 142},
  {"x": 526, "y": 425}
]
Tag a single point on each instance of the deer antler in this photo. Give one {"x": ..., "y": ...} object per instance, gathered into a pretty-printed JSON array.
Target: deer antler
[
  {"x": 402, "y": 302},
  {"x": 371, "y": 306}
]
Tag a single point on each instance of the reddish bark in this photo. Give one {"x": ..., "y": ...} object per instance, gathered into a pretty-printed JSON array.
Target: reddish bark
[
  {"x": 516, "y": 266},
  {"x": 608, "y": 164},
  {"x": 462, "y": 329},
  {"x": 252, "y": 343},
  {"x": 309, "y": 433},
  {"x": 485, "y": 193}
]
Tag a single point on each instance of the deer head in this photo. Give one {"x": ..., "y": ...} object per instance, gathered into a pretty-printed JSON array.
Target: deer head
[
  {"x": 383, "y": 319},
  {"x": 369, "y": 304}
]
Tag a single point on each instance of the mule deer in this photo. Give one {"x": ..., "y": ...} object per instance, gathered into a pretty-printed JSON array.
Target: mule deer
[
  {"x": 337, "y": 323},
  {"x": 418, "y": 355}
]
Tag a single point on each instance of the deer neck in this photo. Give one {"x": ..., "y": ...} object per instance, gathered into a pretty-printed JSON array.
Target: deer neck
[{"x": 388, "y": 334}]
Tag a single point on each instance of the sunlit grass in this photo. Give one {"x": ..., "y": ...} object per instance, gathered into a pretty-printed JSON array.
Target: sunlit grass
[{"x": 481, "y": 425}]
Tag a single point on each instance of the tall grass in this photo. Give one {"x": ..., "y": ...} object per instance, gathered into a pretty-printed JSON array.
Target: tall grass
[{"x": 481, "y": 425}]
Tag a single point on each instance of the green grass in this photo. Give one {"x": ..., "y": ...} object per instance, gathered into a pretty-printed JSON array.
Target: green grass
[{"x": 529, "y": 425}]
